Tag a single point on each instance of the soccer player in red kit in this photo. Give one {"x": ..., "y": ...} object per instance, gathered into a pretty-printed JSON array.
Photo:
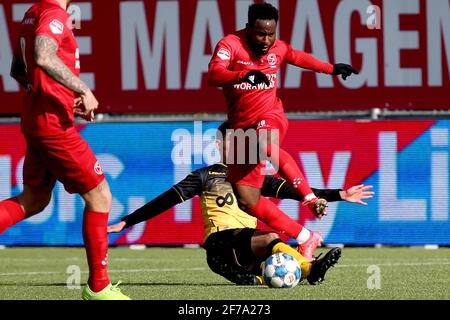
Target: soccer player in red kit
[
  {"x": 46, "y": 63},
  {"x": 245, "y": 64}
]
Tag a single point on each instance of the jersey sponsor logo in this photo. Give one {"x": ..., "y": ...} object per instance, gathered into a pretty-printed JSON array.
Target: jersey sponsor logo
[
  {"x": 222, "y": 201},
  {"x": 247, "y": 63},
  {"x": 261, "y": 86},
  {"x": 272, "y": 59},
  {"x": 98, "y": 168},
  {"x": 224, "y": 54},
  {"x": 56, "y": 26},
  {"x": 216, "y": 173}
]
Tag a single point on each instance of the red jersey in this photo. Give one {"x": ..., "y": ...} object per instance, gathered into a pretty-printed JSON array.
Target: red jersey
[
  {"x": 233, "y": 58},
  {"x": 48, "y": 106}
]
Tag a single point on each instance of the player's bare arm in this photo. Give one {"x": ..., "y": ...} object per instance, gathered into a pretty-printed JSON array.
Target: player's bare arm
[{"x": 45, "y": 49}]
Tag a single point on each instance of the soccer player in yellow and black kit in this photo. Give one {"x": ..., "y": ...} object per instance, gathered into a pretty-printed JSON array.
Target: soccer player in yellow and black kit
[{"x": 234, "y": 247}]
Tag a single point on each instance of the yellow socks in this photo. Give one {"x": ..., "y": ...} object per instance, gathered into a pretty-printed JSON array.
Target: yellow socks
[{"x": 305, "y": 265}]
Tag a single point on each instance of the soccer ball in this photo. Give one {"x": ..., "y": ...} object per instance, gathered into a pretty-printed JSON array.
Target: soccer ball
[{"x": 281, "y": 270}]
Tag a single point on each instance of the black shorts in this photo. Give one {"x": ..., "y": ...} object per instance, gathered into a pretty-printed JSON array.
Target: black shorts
[{"x": 233, "y": 247}]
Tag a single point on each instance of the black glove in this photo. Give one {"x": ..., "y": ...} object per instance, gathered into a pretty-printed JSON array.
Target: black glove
[
  {"x": 256, "y": 77},
  {"x": 345, "y": 70}
]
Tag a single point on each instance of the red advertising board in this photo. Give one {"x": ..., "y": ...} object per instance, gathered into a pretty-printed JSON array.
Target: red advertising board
[{"x": 152, "y": 56}]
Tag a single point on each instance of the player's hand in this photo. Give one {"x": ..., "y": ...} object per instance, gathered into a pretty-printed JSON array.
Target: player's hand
[
  {"x": 77, "y": 102},
  {"x": 318, "y": 206},
  {"x": 357, "y": 193},
  {"x": 343, "y": 69},
  {"x": 256, "y": 77},
  {"x": 78, "y": 108},
  {"x": 90, "y": 103},
  {"x": 116, "y": 227}
]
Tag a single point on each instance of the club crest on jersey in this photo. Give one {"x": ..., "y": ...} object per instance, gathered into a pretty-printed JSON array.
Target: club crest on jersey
[
  {"x": 224, "y": 54},
  {"x": 272, "y": 59},
  {"x": 261, "y": 124},
  {"x": 98, "y": 168},
  {"x": 56, "y": 26}
]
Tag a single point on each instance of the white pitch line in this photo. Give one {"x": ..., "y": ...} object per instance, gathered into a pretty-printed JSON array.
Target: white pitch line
[
  {"x": 399, "y": 264},
  {"x": 109, "y": 271}
]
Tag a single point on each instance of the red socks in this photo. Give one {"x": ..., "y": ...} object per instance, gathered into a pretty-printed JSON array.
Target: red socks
[
  {"x": 96, "y": 243},
  {"x": 11, "y": 212},
  {"x": 290, "y": 171},
  {"x": 266, "y": 211}
]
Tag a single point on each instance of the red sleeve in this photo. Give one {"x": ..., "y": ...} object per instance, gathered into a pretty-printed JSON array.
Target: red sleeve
[
  {"x": 219, "y": 74},
  {"x": 53, "y": 24},
  {"x": 306, "y": 61}
]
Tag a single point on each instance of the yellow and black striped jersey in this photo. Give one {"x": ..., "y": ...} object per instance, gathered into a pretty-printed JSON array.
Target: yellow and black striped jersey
[{"x": 218, "y": 202}]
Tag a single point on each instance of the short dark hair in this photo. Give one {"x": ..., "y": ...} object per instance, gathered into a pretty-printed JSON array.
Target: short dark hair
[
  {"x": 262, "y": 11},
  {"x": 223, "y": 129}
]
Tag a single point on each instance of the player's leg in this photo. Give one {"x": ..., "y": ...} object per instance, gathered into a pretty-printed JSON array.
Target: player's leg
[
  {"x": 221, "y": 258},
  {"x": 271, "y": 134},
  {"x": 225, "y": 266},
  {"x": 71, "y": 161},
  {"x": 266, "y": 243},
  {"x": 36, "y": 194},
  {"x": 250, "y": 201},
  {"x": 95, "y": 220},
  {"x": 31, "y": 201}
]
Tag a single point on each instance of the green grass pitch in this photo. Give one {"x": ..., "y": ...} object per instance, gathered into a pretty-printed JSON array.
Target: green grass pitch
[{"x": 182, "y": 274}]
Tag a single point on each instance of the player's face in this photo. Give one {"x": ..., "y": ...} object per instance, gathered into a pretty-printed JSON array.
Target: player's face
[{"x": 262, "y": 35}]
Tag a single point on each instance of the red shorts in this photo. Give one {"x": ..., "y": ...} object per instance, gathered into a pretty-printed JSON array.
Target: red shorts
[
  {"x": 66, "y": 158},
  {"x": 253, "y": 175}
]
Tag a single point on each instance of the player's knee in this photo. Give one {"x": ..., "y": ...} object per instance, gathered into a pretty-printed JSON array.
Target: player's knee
[
  {"x": 103, "y": 199},
  {"x": 246, "y": 203},
  {"x": 270, "y": 237},
  {"x": 215, "y": 264},
  {"x": 98, "y": 199},
  {"x": 37, "y": 206},
  {"x": 34, "y": 202}
]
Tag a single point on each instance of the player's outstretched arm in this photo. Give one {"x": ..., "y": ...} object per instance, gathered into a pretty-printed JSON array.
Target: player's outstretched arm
[
  {"x": 279, "y": 188},
  {"x": 305, "y": 60},
  {"x": 184, "y": 190},
  {"x": 160, "y": 204},
  {"x": 45, "y": 49}
]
